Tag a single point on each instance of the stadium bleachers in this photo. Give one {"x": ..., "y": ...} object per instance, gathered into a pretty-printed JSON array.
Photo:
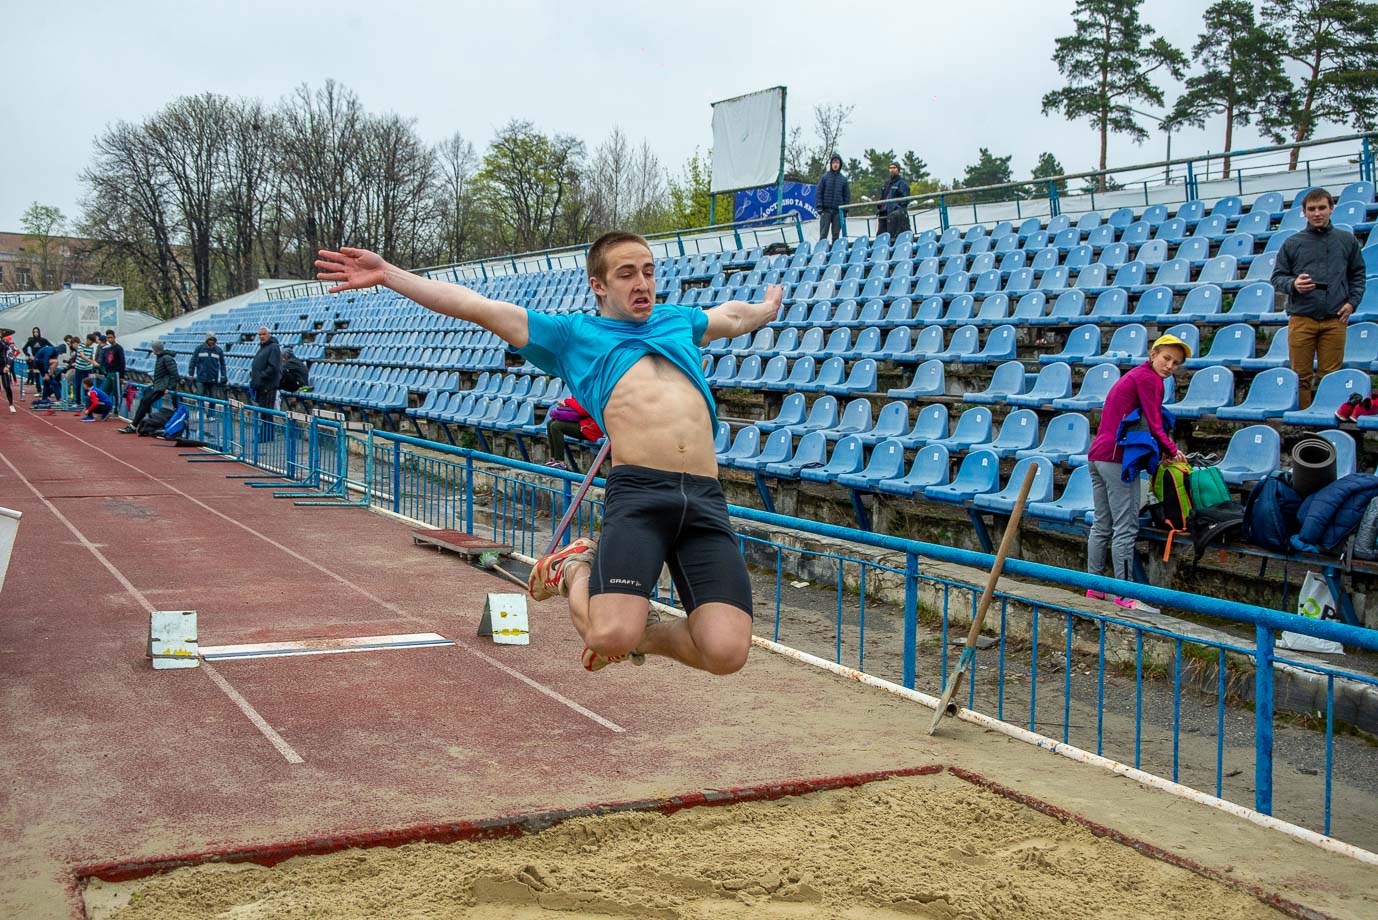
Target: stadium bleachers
[{"x": 924, "y": 367}]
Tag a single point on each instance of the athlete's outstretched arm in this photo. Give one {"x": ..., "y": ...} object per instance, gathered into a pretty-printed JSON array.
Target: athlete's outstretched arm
[
  {"x": 731, "y": 319},
  {"x": 359, "y": 268}
]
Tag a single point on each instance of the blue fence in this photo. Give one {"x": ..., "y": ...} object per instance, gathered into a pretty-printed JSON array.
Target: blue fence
[{"x": 1165, "y": 701}]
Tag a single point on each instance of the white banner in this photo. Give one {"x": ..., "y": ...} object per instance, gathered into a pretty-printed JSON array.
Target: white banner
[{"x": 748, "y": 132}]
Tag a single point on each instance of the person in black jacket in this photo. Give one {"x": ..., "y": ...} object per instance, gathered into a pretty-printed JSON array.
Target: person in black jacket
[
  {"x": 834, "y": 191},
  {"x": 266, "y": 372},
  {"x": 894, "y": 214},
  {"x": 112, "y": 365},
  {"x": 208, "y": 366},
  {"x": 31, "y": 347},
  {"x": 1322, "y": 269},
  {"x": 165, "y": 377},
  {"x": 295, "y": 375}
]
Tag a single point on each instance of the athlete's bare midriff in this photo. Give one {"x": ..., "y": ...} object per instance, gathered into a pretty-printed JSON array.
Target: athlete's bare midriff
[{"x": 656, "y": 417}]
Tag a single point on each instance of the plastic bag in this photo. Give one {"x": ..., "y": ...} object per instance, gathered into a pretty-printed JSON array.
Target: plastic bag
[{"x": 1315, "y": 602}]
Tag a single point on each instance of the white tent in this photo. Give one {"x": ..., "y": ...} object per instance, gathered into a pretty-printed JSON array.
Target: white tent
[{"x": 77, "y": 310}]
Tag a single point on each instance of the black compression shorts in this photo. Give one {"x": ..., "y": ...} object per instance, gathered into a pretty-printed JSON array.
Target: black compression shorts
[{"x": 653, "y": 518}]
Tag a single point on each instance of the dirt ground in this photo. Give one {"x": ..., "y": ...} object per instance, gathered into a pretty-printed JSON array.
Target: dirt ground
[{"x": 926, "y": 846}]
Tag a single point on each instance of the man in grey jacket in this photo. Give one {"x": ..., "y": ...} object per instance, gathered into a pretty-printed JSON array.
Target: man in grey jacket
[
  {"x": 266, "y": 371},
  {"x": 1322, "y": 271},
  {"x": 165, "y": 377}
]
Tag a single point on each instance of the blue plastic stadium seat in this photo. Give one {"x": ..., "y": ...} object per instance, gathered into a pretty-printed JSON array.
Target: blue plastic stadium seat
[
  {"x": 886, "y": 462},
  {"x": 978, "y": 475},
  {"x": 1064, "y": 437},
  {"x": 1252, "y": 454},
  {"x": 1272, "y": 394},
  {"x": 791, "y": 414},
  {"x": 1128, "y": 345},
  {"x": 891, "y": 422},
  {"x": 965, "y": 341},
  {"x": 747, "y": 443},
  {"x": 1210, "y": 389},
  {"x": 1073, "y": 505},
  {"x": 1053, "y": 382},
  {"x": 999, "y": 346},
  {"x": 927, "y": 344},
  {"x": 722, "y": 438},
  {"x": 776, "y": 449},
  {"x": 1361, "y": 345},
  {"x": 1040, "y": 490},
  {"x": 1334, "y": 390},
  {"x": 1346, "y": 452},
  {"x": 1068, "y": 309},
  {"x": 974, "y": 426},
  {"x": 847, "y": 457},
  {"x": 930, "y": 425},
  {"x": 823, "y": 414},
  {"x": 862, "y": 378},
  {"x": 928, "y": 381},
  {"x": 1230, "y": 347},
  {"x": 1008, "y": 380},
  {"x": 855, "y": 419},
  {"x": 812, "y": 450},
  {"x": 1019, "y": 431},
  {"x": 931, "y": 467},
  {"x": 1095, "y": 386},
  {"x": 1082, "y": 342}
]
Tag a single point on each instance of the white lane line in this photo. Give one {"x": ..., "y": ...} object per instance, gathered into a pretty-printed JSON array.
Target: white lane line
[
  {"x": 273, "y": 737},
  {"x": 386, "y": 605},
  {"x": 323, "y": 646}
]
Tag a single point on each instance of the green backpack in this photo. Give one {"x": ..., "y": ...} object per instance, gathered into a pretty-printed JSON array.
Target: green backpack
[
  {"x": 1208, "y": 487},
  {"x": 1172, "y": 489}
]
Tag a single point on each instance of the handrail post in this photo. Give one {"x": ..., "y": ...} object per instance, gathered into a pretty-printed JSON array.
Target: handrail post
[
  {"x": 469, "y": 493},
  {"x": 911, "y": 617},
  {"x": 1054, "y": 203},
  {"x": 942, "y": 211},
  {"x": 1263, "y": 719},
  {"x": 396, "y": 476}
]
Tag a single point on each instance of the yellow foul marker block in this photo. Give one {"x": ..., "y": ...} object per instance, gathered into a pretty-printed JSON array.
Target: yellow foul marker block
[{"x": 504, "y": 618}]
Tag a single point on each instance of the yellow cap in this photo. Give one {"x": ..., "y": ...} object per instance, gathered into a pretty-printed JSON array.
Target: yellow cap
[{"x": 1172, "y": 340}]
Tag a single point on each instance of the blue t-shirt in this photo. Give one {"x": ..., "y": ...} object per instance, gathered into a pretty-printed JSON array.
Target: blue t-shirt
[{"x": 591, "y": 353}]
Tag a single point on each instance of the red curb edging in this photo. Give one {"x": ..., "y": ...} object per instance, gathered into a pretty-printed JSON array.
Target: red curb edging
[
  {"x": 1276, "y": 901},
  {"x": 509, "y": 826}
]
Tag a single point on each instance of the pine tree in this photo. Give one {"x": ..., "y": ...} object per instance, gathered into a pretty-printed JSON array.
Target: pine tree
[
  {"x": 988, "y": 170},
  {"x": 1047, "y": 168},
  {"x": 1242, "y": 76},
  {"x": 1335, "y": 42},
  {"x": 1109, "y": 62}
]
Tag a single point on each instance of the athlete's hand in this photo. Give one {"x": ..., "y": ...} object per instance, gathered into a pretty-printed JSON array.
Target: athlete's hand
[
  {"x": 775, "y": 293},
  {"x": 353, "y": 268}
]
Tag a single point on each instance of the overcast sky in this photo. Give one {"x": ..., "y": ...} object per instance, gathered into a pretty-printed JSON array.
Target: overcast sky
[{"x": 941, "y": 78}]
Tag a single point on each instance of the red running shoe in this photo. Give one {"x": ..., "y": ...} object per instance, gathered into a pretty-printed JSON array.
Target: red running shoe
[
  {"x": 1365, "y": 406},
  {"x": 1348, "y": 408},
  {"x": 547, "y": 575}
]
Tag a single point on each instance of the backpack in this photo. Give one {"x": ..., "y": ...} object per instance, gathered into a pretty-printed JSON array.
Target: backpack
[
  {"x": 176, "y": 423},
  {"x": 1270, "y": 514},
  {"x": 1172, "y": 487},
  {"x": 1366, "y": 535},
  {"x": 1214, "y": 524},
  {"x": 1208, "y": 487},
  {"x": 294, "y": 375},
  {"x": 154, "y": 422}
]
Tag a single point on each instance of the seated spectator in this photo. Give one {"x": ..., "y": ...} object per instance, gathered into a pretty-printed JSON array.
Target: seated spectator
[
  {"x": 295, "y": 376},
  {"x": 567, "y": 417}
]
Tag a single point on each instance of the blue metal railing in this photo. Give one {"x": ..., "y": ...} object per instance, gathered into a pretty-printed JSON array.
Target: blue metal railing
[{"x": 1100, "y": 680}]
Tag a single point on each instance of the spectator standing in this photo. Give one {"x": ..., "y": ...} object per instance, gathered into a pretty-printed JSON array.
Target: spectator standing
[
  {"x": 266, "y": 372},
  {"x": 208, "y": 367},
  {"x": 165, "y": 377},
  {"x": 36, "y": 366},
  {"x": 84, "y": 364},
  {"x": 112, "y": 364},
  {"x": 1115, "y": 490},
  {"x": 894, "y": 213},
  {"x": 834, "y": 192},
  {"x": 7, "y": 354},
  {"x": 1322, "y": 270}
]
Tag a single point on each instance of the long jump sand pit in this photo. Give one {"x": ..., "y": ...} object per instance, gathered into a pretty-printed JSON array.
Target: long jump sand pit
[{"x": 929, "y": 843}]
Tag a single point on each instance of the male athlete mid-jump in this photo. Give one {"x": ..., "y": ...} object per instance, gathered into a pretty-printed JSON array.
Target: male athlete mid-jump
[{"x": 636, "y": 367}]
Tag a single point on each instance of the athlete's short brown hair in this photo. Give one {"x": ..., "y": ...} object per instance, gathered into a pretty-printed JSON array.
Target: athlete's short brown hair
[
  {"x": 1317, "y": 194},
  {"x": 597, "y": 260}
]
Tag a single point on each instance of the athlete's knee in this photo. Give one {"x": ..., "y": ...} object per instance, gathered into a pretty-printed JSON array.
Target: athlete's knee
[
  {"x": 610, "y": 638},
  {"x": 724, "y": 656}
]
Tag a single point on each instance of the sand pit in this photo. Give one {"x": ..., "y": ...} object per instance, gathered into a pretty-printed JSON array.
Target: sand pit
[{"x": 923, "y": 846}]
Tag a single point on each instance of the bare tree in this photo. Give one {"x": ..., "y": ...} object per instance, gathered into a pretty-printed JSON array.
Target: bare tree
[
  {"x": 830, "y": 119},
  {"x": 247, "y": 184},
  {"x": 130, "y": 215},
  {"x": 396, "y": 172},
  {"x": 322, "y": 146},
  {"x": 457, "y": 164}
]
